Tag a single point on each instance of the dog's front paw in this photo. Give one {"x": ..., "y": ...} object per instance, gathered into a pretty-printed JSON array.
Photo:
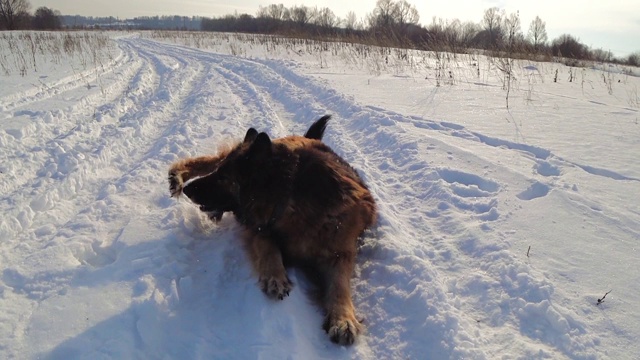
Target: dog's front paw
[
  {"x": 342, "y": 330},
  {"x": 176, "y": 182},
  {"x": 276, "y": 287}
]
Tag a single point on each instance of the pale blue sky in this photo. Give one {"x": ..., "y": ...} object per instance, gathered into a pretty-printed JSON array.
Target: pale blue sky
[{"x": 611, "y": 25}]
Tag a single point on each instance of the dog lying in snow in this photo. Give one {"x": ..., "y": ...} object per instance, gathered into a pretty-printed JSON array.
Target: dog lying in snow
[{"x": 299, "y": 203}]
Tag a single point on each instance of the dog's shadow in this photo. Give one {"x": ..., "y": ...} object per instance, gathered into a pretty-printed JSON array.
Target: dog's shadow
[{"x": 197, "y": 299}]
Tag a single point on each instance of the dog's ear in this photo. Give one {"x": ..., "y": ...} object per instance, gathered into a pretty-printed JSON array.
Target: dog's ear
[
  {"x": 261, "y": 145},
  {"x": 316, "y": 130},
  {"x": 251, "y": 135}
]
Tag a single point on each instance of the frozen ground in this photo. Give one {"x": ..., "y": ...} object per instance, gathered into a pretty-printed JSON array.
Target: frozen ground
[{"x": 99, "y": 263}]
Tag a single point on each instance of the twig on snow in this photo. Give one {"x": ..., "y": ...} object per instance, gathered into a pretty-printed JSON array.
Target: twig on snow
[{"x": 600, "y": 301}]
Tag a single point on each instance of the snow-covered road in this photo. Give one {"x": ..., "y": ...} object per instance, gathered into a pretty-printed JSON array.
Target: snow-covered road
[{"x": 98, "y": 262}]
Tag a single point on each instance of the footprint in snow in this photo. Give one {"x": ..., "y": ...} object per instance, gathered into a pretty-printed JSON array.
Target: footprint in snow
[
  {"x": 536, "y": 190},
  {"x": 468, "y": 185},
  {"x": 472, "y": 193},
  {"x": 544, "y": 168}
]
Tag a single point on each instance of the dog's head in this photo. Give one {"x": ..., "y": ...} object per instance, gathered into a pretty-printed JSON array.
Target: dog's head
[
  {"x": 225, "y": 188},
  {"x": 213, "y": 196}
]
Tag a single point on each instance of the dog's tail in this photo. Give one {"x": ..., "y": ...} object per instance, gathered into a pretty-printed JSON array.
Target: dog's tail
[{"x": 316, "y": 130}]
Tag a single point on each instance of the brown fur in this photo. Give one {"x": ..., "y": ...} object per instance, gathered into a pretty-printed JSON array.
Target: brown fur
[
  {"x": 300, "y": 204},
  {"x": 186, "y": 169}
]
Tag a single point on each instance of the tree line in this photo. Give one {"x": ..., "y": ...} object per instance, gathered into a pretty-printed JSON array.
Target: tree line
[
  {"x": 390, "y": 23},
  {"x": 396, "y": 23},
  {"x": 16, "y": 15},
  {"x": 165, "y": 22}
]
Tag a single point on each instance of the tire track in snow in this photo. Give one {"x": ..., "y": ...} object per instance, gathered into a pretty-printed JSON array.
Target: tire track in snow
[
  {"x": 256, "y": 108},
  {"x": 243, "y": 100},
  {"x": 252, "y": 103},
  {"x": 369, "y": 137},
  {"x": 45, "y": 129},
  {"x": 84, "y": 233},
  {"x": 113, "y": 201},
  {"x": 293, "y": 99},
  {"x": 69, "y": 83},
  {"x": 189, "y": 293},
  {"x": 232, "y": 92},
  {"x": 65, "y": 195},
  {"x": 270, "y": 85},
  {"x": 259, "y": 83},
  {"x": 171, "y": 282},
  {"x": 414, "y": 308},
  {"x": 146, "y": 119}
]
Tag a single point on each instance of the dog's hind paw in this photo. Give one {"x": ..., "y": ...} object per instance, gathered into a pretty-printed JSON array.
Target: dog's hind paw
[
  {"x": 342, "y": 331},
  {"x": 276, "y": 287}
]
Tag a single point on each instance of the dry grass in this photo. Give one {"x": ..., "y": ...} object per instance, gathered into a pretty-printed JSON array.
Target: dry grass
[{"x": 30, "y": 51}]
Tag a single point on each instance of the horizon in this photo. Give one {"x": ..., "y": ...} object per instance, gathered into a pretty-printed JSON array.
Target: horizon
[{"x": 610, "y": 27}]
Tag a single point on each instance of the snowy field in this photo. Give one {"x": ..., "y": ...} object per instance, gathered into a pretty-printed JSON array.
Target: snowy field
[{"x": 499, "y": 231}]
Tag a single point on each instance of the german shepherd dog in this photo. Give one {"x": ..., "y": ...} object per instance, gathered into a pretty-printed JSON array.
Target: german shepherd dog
[{"x": 299, "y": 204}]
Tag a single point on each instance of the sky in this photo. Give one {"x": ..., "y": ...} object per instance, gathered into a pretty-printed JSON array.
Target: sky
[{"x": 613, "y": 25}]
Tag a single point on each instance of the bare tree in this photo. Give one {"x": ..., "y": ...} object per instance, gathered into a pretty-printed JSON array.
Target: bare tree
[
  {"x": 634, "y": 59},
  {"x": 601, "y": 55},
  {"x": 453, "y": 32},
  {"x": 537, "y": 33},
  {"x": 383, "y": 15},
  {"x": 351, "y": 21},
  {"x": 491, "y": 22},
  {"x": 445, "y": 33},
  {"x": 394, "y": 17},
  {"x": 505, "y": 61},
  {"x": 405, "y": 14},
  {"x": 567, "y": 45},
  {"x": 280, "y": 12},
  {"x": 436, "y": 31},
  {"x": 512, "y": 31},
  {"x": 46, "y": 19},
  {"x": 274, "y": 12},
  {"x": 326, "y": 19},
  {"x": 301, "y": 15},
  {"x": 11, "y": 11},
  {"x": 468, "y": 30}
]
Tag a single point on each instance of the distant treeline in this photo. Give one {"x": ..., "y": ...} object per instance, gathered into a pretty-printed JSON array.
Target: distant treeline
[
  {"x": 396, "y": 23},
  {"x": 390, "y": 23},
  {"x": 16, "y": 15},
  {"x": 137, "y": 23}
]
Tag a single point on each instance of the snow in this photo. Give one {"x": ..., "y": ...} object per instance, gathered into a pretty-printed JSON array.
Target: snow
[{"x": 499, "y": 228}]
